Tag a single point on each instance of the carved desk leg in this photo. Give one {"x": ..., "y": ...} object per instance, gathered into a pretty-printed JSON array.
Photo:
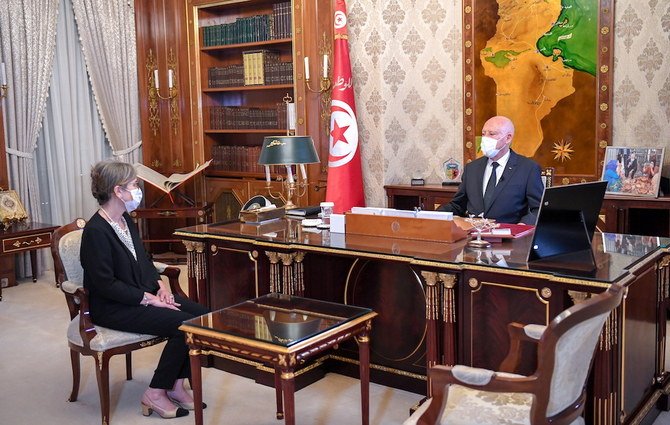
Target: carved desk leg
[
  {"x": 432, "y": 313},
  {"x": 448, "y": 317},
  {"x": 605, "y": 367}
]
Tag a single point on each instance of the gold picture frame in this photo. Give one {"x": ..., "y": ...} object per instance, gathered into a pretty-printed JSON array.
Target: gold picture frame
[
  {"x": 537, "y": 66},
  {"x": 11, "y": 208}
]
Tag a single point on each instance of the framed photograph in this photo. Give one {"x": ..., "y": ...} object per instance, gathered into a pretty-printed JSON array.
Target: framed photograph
[
  {"x": 11, "y": 208},
  {"x": 537, "y": 63},
  {"x": 633, "y": 171}
]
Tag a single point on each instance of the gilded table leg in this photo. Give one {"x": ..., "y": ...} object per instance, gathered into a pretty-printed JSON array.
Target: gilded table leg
[
  {"x": 364, "y": 370},
  {"x": 196, "y": 384},
  {"x": 288, "y": 388},
  {"x": 278, "y": 392}
]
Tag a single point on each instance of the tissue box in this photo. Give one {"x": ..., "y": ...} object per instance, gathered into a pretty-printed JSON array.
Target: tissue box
[{"x": 337, "y": 223}]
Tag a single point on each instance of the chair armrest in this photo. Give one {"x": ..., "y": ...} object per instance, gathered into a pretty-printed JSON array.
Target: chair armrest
[
  {"x": 478, "y": 379},
  {"x": 172, "y": 273},
  {"x": 519, "y": 333}
]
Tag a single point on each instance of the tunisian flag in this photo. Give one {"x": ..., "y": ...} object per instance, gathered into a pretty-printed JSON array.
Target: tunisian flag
[{"x": 345, "y": 178}]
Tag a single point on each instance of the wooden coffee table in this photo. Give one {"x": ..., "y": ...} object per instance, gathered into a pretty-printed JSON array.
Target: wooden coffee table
[{"x": 283, "y": 331}]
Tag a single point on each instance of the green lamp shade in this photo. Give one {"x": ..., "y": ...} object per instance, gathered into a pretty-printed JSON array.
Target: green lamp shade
[{"x": 287, "y": 150}]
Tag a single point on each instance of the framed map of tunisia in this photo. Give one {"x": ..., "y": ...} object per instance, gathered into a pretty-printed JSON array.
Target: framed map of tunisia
[{"x": 547, "y": 65}]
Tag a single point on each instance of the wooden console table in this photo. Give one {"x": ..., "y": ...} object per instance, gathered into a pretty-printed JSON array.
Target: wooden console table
[
  {"x": 144, "y": 218},
  {"x": 22, "y": 237},
  {"x": 619, "y": 214}
]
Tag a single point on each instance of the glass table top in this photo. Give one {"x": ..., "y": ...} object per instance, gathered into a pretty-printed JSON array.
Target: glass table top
[{"x": 282, "y": 320}]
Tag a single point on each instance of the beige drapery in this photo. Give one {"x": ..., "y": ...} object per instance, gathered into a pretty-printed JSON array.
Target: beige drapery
[
  {"x": 107, "y": 32},
  {"x": 28, "y": 32}
]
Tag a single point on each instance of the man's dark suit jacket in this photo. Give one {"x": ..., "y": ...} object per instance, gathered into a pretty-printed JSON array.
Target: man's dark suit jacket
[
  {"x": 112, "y": 276},
  {"x": 516, "y": 198}
]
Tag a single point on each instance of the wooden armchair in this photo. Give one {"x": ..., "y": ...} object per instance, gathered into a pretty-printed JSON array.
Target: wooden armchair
[
  {"x": 84, "y": 338},
  {"x": 554, "y": 394}
]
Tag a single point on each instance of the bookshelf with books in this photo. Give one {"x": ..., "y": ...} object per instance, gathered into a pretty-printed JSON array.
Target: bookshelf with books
[{"x": 242, "y": 64}]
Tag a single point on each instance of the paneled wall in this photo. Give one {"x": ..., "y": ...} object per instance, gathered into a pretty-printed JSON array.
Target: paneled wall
[{"x": 406, "y": 59}]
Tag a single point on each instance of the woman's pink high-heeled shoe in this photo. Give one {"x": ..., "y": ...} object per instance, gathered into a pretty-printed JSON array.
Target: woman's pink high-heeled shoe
[{"x": 148, "y": 407}]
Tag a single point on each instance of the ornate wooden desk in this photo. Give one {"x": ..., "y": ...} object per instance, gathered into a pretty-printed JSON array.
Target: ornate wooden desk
[
  {"x": 22, "y": 237},
  {"x": 284, "y": 331},
  {"x": 450, "y": 304}
]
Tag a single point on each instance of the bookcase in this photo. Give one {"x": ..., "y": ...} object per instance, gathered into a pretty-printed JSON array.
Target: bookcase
[{"x": 241, "y": 57}]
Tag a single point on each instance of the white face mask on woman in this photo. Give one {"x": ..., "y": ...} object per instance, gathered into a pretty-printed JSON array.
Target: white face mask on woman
[
  {"x": 488, "y": 146},
  {"x": 134, "y": 203}
]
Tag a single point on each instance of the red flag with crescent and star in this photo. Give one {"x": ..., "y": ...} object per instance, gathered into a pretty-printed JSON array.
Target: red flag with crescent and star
[{"x": 345, "y": 177}]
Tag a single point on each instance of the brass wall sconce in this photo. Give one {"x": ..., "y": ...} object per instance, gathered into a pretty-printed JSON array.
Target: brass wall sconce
[
  {"x": 153, "y": 88},
  {"x": 325, "y": 83}
]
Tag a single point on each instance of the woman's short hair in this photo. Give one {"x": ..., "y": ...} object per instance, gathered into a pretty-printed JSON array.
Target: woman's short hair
[{"x": 106, "y": 175}]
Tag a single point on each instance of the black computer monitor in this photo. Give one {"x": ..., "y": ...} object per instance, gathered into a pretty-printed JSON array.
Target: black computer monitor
[{"x": 566, "y": 221}]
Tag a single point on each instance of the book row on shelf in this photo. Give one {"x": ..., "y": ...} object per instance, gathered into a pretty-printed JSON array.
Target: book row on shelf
[
  {"x": 258, "y": 64},
  {"x": 234, "y": 75},
  {"x": 240, "y": 158},
  {"x": 251, "y": 29},
  {"x": 244, "y": 118}
]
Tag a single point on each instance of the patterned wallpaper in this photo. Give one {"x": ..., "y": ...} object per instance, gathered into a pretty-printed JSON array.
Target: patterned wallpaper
[{"x": 406, "y": 60}]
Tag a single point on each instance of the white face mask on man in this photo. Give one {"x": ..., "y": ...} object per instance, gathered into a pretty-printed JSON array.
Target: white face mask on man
[
  {"x": 134, "y": 203},
  {"x": 488, "y": 146}
]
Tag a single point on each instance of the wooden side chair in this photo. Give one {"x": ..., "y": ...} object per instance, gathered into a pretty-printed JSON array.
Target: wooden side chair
[
  {"x": 84, "y": 338},
  {"x": 554, "y": 394}
]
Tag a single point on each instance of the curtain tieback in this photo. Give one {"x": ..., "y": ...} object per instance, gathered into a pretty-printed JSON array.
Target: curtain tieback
[
  {"x": 127, "y": 150},
  {"x": 19, "y": 153}
]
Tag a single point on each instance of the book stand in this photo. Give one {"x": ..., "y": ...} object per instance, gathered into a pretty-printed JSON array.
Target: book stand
[{"x": 189, "y": 201}]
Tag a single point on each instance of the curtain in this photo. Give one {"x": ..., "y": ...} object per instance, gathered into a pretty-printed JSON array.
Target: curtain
[
  {"x": 107, "y": 32},
  {"x": 72, "y": 138},
  {"x": 28, "y": 30}
]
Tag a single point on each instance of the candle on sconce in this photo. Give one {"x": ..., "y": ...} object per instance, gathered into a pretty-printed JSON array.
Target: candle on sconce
[
  {"x": 267, "y": 173},
  {"x": 291, "y": 115},
  {"x": 170, "y": 81},
  {"x": 303, "y": 172},
  {"x": 325, "y": 66},
  {"x": 306, "y": 68},
  {"x": 3, "y": 75},
  {"x": 156, "y": 79},
  {"x": 289, "y": 172}
]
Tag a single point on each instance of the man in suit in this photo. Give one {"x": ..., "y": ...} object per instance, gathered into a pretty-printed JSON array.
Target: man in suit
[
  {"x": 631, "y": 166},
  {"x": 502, "y": 184}
]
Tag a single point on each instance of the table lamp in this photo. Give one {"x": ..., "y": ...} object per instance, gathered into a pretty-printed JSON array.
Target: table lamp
[{"x": 288, "y": 151}]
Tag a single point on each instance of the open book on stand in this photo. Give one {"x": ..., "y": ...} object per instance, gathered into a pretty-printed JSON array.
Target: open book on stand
[{"x": 166, "y": 184}]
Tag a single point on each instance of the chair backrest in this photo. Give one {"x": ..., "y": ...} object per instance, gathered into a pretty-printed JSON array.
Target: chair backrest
[
  {"x": 567, "y": 347},
  {"x": 65, "y": 244}
]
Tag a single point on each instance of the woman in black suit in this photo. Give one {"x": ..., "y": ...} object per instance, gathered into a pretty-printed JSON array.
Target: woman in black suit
[{"x": 125, "y": 290}]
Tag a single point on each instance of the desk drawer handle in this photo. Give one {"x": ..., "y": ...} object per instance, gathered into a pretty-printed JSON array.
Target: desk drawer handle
[
  {"x": 167, "y": 213},
  {"x": 34, "y": 241}
]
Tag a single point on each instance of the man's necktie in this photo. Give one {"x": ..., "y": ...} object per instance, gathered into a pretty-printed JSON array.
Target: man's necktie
[{"x": 490, "y": 186}]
